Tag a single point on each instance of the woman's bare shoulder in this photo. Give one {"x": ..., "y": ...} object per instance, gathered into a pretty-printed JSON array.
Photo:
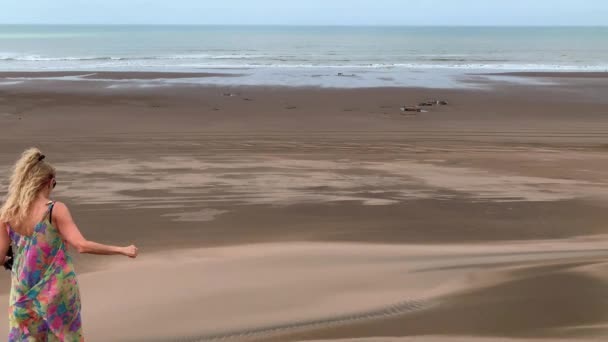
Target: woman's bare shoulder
[{"x": 60, "y": 209}]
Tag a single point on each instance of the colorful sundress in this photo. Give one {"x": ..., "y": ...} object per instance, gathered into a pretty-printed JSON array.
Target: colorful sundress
[{"x": 44, "y": 302}]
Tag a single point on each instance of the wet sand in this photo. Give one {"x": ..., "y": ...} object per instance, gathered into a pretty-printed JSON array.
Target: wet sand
[
  {"x": 107, "y": 75},
  {"x": 263, "y": 210}
]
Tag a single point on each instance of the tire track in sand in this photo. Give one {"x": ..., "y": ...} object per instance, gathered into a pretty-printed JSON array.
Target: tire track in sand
[{"x": 402, "y": 307}]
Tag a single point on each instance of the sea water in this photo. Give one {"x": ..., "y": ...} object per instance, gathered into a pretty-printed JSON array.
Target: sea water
[{"x": 304, "y": 55}]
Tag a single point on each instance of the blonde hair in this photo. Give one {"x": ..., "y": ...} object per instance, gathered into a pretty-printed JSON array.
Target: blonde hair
[{"x": 30, "y": 174}]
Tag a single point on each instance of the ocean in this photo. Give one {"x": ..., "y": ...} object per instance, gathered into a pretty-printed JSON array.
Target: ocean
[{"x": 303, "y": 55}]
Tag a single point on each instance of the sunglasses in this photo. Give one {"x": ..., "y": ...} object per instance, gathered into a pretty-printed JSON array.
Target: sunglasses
[{"x": 54, "y": 183}]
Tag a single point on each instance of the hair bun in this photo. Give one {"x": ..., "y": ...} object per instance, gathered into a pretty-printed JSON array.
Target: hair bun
[{"x": 42, "y": 156}]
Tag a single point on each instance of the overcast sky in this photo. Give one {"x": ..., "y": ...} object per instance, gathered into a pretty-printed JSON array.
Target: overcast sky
[{"x": 308, "y": 12}]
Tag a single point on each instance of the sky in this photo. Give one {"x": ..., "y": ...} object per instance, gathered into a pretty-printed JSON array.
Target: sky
[{"x": 307, "y": 12}]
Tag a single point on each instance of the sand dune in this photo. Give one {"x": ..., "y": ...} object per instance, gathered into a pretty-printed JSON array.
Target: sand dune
[
  {"x": 443, "y": 339},
  {"x": 286, "y": 214},
  {"x": 261, "y": 291}
]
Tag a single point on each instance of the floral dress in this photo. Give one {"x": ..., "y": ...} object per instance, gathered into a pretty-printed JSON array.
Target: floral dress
[{"x": 44, "y": 302}]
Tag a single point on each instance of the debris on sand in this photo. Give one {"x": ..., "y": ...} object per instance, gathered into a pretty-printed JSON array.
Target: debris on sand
[
  {"x": 433, "y": 103},
  {"x": 229, "y": 94},
  {"x": 411, "y": 109}
]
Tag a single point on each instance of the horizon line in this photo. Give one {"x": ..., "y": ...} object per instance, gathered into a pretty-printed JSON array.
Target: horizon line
[{"x": 300, "y": 25}]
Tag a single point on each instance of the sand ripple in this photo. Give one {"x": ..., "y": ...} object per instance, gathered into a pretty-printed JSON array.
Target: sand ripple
[{"x": 179, "y": 181}]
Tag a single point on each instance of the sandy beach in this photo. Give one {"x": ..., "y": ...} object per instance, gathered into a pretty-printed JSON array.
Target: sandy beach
[{"x": 324, "y": 214}]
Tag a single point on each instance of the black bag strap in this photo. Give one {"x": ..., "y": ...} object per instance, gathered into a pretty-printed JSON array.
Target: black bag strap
[{"x": 51, "y": 205}]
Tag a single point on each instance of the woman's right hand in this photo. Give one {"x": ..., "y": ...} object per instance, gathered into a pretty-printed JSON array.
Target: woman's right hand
[{"x": 130, "y": 251}]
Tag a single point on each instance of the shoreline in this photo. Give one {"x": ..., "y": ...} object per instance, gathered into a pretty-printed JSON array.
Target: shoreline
[
  {"x": 553, "y": 74},
  {"x": 335, "y": 78},
  {"x": 111, "y": 75}
]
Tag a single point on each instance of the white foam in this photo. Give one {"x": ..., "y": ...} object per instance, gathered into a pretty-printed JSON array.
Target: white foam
[
  {"x": 22, "y": 62},
  {"x": 10, "y": 83},
  {"x": 210, "y": 56}
]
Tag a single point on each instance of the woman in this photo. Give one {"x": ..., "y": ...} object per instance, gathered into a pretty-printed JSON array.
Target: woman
[{"x": 44, "y": 300}]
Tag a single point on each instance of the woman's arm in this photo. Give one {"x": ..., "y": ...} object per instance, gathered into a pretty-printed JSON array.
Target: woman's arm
[{"x": 70, "y": 232}]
